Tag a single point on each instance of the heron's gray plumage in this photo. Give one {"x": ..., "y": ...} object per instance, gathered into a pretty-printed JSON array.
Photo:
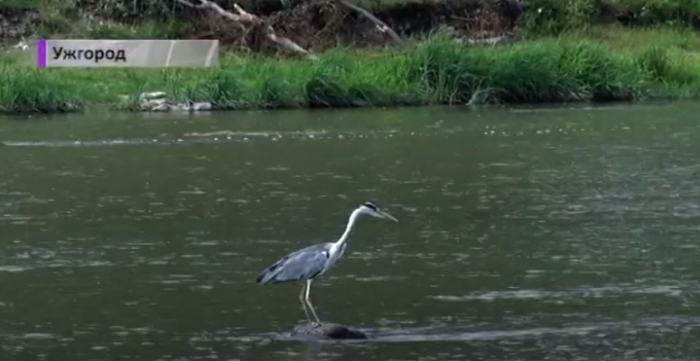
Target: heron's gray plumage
[{"x": 300, "y": 265}]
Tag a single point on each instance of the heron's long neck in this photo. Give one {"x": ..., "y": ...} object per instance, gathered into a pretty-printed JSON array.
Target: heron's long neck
[{"x": 348, "y": 228}]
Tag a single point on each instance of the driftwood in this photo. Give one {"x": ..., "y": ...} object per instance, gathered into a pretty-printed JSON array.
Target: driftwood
[
  {"x": 328, "y": 331},
  {"x": 381, "y": 26},
  {"x": 256, "y": 28},
  {"x": 244, "y": 17}
]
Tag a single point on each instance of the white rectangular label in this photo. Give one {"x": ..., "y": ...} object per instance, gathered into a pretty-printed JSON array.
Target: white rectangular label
[{"x": 60, "y": 53}]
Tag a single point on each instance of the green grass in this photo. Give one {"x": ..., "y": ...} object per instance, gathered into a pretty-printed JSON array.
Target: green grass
[
  {"x": 592, "y": 65},
  {"x": 668, "y": 12},
  {"x": 110, "y": 19},
  {"x": 555, "y": 16}
]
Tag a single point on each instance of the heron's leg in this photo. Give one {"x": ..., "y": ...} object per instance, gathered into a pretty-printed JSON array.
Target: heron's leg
[
  {"x": 308, "y": 301},
  {"x": 303, "y": 303}
]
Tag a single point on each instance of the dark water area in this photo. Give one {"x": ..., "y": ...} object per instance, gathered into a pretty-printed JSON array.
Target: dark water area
[{"x": 524, "y": 234}]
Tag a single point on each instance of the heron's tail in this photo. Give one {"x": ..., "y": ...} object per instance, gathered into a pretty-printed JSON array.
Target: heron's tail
[
  {"x": 269, "y": 274},
  {"x": 263, "y": 277}
]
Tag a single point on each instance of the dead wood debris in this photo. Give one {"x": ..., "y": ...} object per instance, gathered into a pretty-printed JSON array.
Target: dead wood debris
[
  {"x": 381, "y": 26},
  {"x": 310, "y": 27},
  {"x": 244, "y": 18},
  {"x": 249, "y": 22}
]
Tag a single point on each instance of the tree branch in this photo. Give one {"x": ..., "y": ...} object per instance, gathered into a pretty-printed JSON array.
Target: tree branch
[
  {"x": 253, "y": 20},
  {"x": 378, "y": 23},
  {"x": 205, "y": 4}
]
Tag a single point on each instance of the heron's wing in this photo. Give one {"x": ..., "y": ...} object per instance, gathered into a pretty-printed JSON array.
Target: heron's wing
[{"x": 303, "y": 264}]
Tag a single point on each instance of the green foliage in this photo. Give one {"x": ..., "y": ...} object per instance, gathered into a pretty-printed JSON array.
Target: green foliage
[
  {"x": 669, "y": 12},
  {"x": 655, "y": 61},
  {"x": 166, "y": 19},
  {"x": 25, "y": 90},
  {"x": 436, "y": 71},
  {"x": 555, "y": 16}
]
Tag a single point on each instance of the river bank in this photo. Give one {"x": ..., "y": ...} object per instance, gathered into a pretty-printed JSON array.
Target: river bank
[
  {"x": 605, "y": 64},
  {"x": 574, "y": 51}
]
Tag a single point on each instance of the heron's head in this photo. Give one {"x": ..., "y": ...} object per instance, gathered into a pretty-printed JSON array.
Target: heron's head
[{"x": 371, "y": 209}]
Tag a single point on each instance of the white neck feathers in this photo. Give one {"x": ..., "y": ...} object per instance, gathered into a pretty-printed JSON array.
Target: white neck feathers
[{"x": 351, "y": 223}]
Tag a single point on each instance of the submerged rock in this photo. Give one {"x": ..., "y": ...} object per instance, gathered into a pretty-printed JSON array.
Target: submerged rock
[{"x": 328, "y": 331}]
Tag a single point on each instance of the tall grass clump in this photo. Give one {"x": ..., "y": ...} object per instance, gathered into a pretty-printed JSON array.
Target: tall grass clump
[
  {"x": 602, "y": 74},
  {"x": 26, "y": 90},
  {"x": 655, "y": 61},
  {"x": 347, "y": 79},
  {"x": 672, "y": 77},
  {"x": 446, "y": 73},
  {"x": 539, "y": 71},
  {"x": 282, "y": 83}
]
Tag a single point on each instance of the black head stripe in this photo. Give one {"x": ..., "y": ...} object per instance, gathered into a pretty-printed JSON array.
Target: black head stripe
[{"x": 371, "y": 206}]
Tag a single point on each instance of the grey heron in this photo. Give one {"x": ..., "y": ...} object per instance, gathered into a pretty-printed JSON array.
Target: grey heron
[{"x": 311, "y": 262}]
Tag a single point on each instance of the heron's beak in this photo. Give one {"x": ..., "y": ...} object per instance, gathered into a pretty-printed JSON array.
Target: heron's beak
[{"x": 387, "y": 216}]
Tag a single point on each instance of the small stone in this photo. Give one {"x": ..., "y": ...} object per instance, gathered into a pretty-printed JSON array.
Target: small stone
[
  {"x": 152, "y": 96},
  {"x": 201, "y": 106},
  {"x": 328, "y": 331}
]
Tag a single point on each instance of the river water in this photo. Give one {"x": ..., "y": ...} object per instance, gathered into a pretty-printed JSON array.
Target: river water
[{"x": 524, "y": 234}]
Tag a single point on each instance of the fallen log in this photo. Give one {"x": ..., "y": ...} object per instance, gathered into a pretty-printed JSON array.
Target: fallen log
[
  {"x": 328, "y": 331},
  {"x": 380, "y": 25},
  {"x": 244, "y": 17}
]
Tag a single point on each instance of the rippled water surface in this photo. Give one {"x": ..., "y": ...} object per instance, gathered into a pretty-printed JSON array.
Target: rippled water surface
[{"x": 525, "y": 234}]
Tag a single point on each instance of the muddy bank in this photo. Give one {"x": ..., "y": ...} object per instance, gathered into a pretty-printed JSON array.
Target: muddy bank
[
  {"x": 314, "y": 25},
  {"x": 318, "y": 25},
  {"x": 322, "y": 24}
]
